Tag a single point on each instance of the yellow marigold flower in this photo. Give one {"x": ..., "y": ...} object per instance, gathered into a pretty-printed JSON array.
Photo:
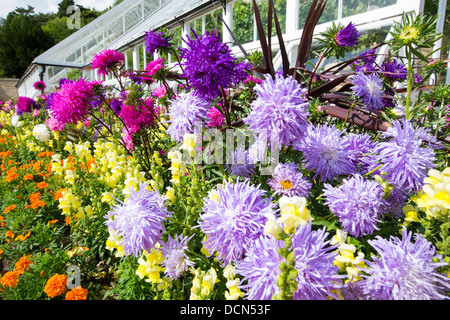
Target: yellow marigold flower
[
  {"x": 77, "y": 293},
  {"x": 56, "y": 285},
  {"x": 10, "y": 279}
]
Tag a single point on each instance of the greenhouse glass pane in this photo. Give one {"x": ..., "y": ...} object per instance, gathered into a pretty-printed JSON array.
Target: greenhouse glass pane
[
  {"x": 243, "y": 21},
  {"x": 150, "y": 6},
  {"x": 129, "y": 54},
  {"x": 141, "y": 57},
  {"x": 213, "y": 21},
  {"x": 133, "y": 16},
  {"x": 280, "y": 9},
  {"x": 329, "y": 14},
  {"x": 353, "y": 7}
]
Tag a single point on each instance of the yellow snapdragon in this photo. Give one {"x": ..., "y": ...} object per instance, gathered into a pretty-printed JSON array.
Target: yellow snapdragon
[
  {"x": 434, "y": 198},
  {"x": 203, "y": 284}
]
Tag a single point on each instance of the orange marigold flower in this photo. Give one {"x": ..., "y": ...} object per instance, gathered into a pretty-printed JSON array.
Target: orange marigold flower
[
  {"x": 28, "y": 176},
  {"x": 12, "y": 176},
  {"x": 2, "y": 224},
  {"x": 53, "y": 221},
  {"x": 1, "y": 252},
  {"x": 42, "y": 185},
  {"x": 77, "y": 293},
  {"x": 23, "y": 238},
  {"x": 59, "y": 194},
  {"x": 35, "y": 197},
  {"x": 9, "y": 236},
  {"x": 10, "y": 208},
  {"x": 67, "y": 220},
  {"x": 23, "y": 264},
  {"x": 56, "y": 285},
  {"x": 10, "y": 279}
]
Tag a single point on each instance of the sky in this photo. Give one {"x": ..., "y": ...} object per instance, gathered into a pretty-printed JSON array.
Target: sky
[{"x": 46, "y": 6}]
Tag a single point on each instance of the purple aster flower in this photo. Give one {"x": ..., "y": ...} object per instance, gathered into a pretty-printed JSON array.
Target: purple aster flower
[
  {"x": 63, "y": 81},
  {"x": 395, "y": 202},
  {"x": 234, "y": 220},
  {"x": 261, "y": 268},
  {"x": 280, "y": 110},
  {"x": 175, "y": 259},
  {"x": 107, "y": 61},
  {"x": 139, "y": 220},
  {"x": 325, "y": 152},
  {"x": 358, "y": 203},
  {"x": 185, "y": 111},
  {"x": 25, "y": 104},
  {"x": 154, "y": 41},
  {"x": 369, "y": 89},
  {"x": 348, "y": 36},
  {"x": 405, "y": 161},
  {"x": 241, "y": 166},
  {"x": 403, "y": 270},
  {"x": 116, "y": 105},
  {"x": 287, "y": 180},
  {"x": 73, "y": 102},
  {"x": 209, "y": 65},
  {"x": 317, "y": 274},
  {"x": 314, "y": 260},
  {"x": 361, "y": 147},
  {"x": 394, "y": 70}
]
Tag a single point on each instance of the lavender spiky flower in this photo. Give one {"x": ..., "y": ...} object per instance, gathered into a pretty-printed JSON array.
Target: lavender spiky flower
[
  {"x": 358, "y": 203},
  {"x": 369, "y": 88},
  {"x": 138, "y": 220},
  {"x": 234, "y": 219},
  {"x": 209, "y": 64},
  {"x": 241, "y": 166},
  {"x": 287, "y": 180},
  {"x": 325, "y": 152},
  {"x": 361, "y": 147},
  {"x": 176, "y": 260},
  {"x": 403, "y": 270},
  {"x": 280, "y": 110},
  {"x": 261, "y": 269},
  {"x": 185, "y": 111},
  {"x": 403, "y": 157}
]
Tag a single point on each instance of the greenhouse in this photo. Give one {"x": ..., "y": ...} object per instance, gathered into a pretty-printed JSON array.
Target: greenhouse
[{"x": 232, "y": 151}]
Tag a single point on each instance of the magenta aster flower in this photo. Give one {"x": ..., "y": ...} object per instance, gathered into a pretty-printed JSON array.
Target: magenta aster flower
[
  {"x": 107, "y": 61},
  {"x": 287, "y": 180},
  {"x": 141, "y": 115},
  {"x": 209, "y": 65},
  {"x": 216, "y": 117},
  {"x": 154, "y": 66},
  {"x": 358, "y": 203},
  {"x": 176, "y": 260},
  {"x": 72, "y": 102},
  {"x": 325, "y": 152},
  {"x": 369, "y": 89},
  {"x": 234, "y": 220},
  {"x": 348, "y": 37},
  {"x": 139, "y": 221},
  {"x": 280, "y": 110},
  {"x": 39, "y": 85},
  {"x": 404, "y": 270},
  {"x": 25, "y": 105}
]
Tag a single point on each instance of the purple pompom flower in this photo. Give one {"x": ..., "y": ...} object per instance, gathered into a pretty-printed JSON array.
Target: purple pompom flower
[
  {"x": 25, "y": 104},
  {"x": 209, "y": 65},
  {"x": 369, "y": 89},
  {"x": 325, "y": 152},
  {"x": 403, "y": 270},
  {"x": 280, "y": 110},
  {"x": 358, "y": 203},
  {"x": 234, "y": 219},
  {"x": 403, "y": 157},
  {"x": 185, "y": 112},
  {"x": 287, "y": 180},
  {"x": 39, "y": 85},
  {"x": 138, "y": 220},
  {"x": 348, "y": 36},
  {"x": 394, "y": 70},
  {"x": 154, "y": 41},
  {"x": 175, "y": 259}
]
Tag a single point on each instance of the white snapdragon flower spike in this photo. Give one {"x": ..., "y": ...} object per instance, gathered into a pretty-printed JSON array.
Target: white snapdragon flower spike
[
  {"x": 293, "y": 212},
  {"x": 41, "y": 132}
]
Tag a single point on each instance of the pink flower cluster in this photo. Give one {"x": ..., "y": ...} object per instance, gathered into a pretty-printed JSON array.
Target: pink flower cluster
[
  {"x": 106, "y": 61},
  {"x": 141, "y": 115},
  {"x": 216, "y": 118}
]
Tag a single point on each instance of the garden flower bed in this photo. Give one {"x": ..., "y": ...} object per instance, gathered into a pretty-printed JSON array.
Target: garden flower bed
[{"x": 230, "y": 180}]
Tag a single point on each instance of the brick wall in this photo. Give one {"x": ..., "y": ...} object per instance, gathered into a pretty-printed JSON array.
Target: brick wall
[{"x": 8, "y": 89}]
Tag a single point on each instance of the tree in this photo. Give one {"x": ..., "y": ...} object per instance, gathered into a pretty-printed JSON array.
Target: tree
[{"x": 21, "y": 40}]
